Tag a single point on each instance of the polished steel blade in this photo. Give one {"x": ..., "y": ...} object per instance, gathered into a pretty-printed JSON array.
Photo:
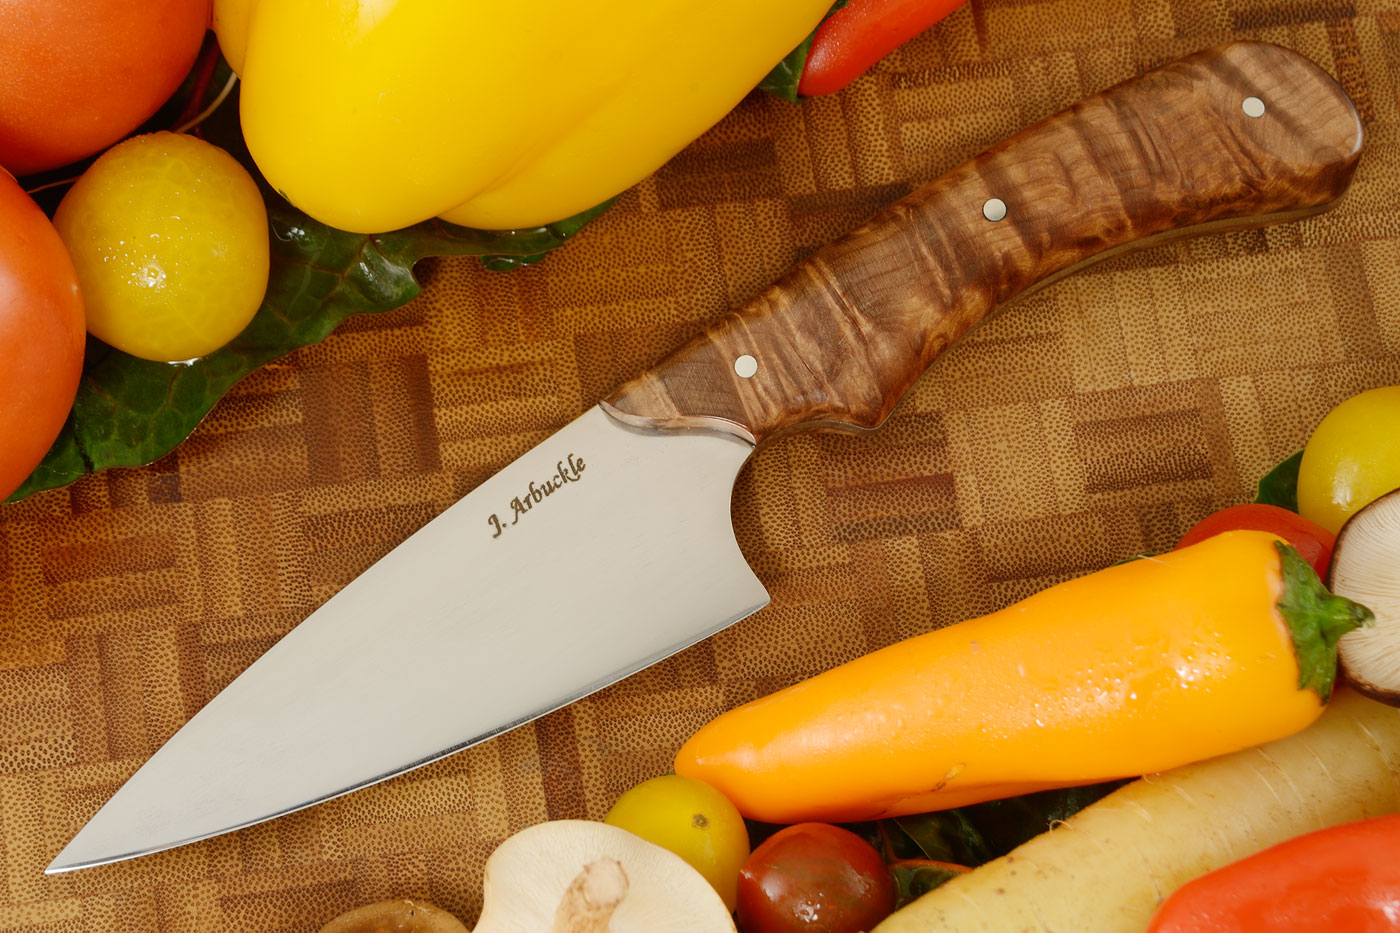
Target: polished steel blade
[{"x": 594, "y": 555}]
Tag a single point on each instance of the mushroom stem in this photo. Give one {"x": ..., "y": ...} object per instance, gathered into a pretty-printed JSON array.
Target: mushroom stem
[{"x": 594, "y": 894}]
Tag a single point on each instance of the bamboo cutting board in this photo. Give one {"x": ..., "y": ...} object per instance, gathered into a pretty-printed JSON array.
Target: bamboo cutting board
[{"x": 1097, "y": 419}]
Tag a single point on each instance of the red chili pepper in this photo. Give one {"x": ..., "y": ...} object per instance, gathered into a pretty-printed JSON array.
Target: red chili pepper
[
  {"x": 1309, "y": 539},
  {"x": 860, "y": 34},
  {"x": 1345, "y": 879}
]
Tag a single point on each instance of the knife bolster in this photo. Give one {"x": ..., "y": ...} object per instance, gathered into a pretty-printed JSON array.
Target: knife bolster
[{"x": 1175, "y": 152}]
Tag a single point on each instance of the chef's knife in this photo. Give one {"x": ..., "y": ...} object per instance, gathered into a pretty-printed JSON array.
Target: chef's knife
[{"x": 608, "y": 547}]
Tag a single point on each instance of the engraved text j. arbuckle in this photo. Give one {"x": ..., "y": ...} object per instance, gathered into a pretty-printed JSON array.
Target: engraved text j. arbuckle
[{"x": 565, "y": 472}]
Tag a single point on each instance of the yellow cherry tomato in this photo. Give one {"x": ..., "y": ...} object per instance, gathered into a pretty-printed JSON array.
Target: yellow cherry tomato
[
  {"x": 169, "y": 238},
  {"x": 691, "y": 819},
  {"x": 1352, "y": 458}
]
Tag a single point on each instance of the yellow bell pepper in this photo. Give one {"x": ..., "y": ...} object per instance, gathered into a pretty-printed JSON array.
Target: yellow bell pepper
[{"x": 371, "y": 115}]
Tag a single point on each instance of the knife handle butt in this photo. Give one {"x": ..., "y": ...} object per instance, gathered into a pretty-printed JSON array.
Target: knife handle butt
[{"x": 1236, "y": 136}]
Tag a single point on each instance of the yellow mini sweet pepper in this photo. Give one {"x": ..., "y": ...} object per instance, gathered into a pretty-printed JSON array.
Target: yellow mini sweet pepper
[
  {"x": 371, "y": 115},
  {"x": 1141, "y": 667}
]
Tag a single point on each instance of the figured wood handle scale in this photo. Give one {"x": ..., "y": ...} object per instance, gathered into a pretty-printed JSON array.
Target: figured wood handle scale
[{"x": 1240, "y": 135}]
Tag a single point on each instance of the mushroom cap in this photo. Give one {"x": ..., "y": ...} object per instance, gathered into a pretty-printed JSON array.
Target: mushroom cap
[
  {"x": 1366, "y": 568},
  {"x": 528, "y": 875},
  {"x": 399, "y": 916}
]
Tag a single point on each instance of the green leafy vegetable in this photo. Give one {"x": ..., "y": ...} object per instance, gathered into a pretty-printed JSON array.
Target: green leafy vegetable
[
  {"x": 913, "y": 878},
  {"x": 1279, "y": 486},
  {"x": 979, "y": 833},
  {"x": 783, "y": 80},
  {"x": 946, "y": 836},
  {"x": 129, "y": 411}
]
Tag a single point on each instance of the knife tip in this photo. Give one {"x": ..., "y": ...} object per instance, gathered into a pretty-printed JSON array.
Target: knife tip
[
  {"x": 67, "y": 861},
  {"x": 72, "y": 858}
]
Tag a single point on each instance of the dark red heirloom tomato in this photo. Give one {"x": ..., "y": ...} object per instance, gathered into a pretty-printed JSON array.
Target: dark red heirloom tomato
[
  {"x": 814, "y": 878},
  {"x": 41, "y": 334},
  {"x": 1345, "y": 879},
  {"x": 1309, "y": 539},
  {"x": 78, "y": 75}
]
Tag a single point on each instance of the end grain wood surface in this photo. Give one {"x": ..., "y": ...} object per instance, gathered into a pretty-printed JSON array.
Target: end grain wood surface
[{"x": 1096, "y": 419}]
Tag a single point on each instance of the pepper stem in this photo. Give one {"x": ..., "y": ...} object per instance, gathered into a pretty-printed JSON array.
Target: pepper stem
[{"x": 1317, "y": 619}]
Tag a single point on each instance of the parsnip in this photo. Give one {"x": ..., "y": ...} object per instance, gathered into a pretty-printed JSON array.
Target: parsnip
[{"x": 1108, "y": 867}]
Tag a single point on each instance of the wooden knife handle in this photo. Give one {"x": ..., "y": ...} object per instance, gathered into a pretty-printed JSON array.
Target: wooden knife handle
[{"x": 1236, "y": 136}]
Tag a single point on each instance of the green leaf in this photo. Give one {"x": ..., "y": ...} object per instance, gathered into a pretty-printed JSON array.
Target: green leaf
[
  {"x": 979, "y": 833},
  {"x": 130, "y": 412},
  {"x": 913, "y": 878},
  {"x": 1279, "y": 486},
  {"x": 783, "y": 80},
  {"x": 946, "y": 836}
]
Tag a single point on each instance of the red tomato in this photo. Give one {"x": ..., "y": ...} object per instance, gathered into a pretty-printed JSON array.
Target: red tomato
[
  {"x": 78, "y": 75},
  {"x": 1309, "y": 539},
  {"x": 814, "y": 878},
  {"x": 860, "y": 34},
  {"x": 41, "y": 335}
]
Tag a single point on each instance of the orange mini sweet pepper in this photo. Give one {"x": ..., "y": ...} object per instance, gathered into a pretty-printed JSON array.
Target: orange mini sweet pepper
[{"x": 1138, "y": 668}]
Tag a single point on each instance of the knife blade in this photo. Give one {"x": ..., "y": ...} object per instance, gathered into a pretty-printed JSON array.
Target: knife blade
[{"x": 608, "y": 547}]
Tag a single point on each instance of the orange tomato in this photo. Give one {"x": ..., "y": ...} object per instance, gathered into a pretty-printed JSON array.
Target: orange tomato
[
  {"x": 78, "y": 75},
  {"x": 41, "y": 335}
]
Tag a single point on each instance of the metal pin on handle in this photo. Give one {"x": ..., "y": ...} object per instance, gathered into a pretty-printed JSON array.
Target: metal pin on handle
[{"x": 994, "y": 209}]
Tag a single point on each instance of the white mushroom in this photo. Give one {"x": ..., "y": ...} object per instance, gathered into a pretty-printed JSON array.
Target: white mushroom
[
  {"x": 399, "y": 916},
  {"x": 568, "y": 876},
  {"x": 577, "y": 876},
  {"x": 1366, "y": 568},
  {"x": 588, "y": 905}
]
